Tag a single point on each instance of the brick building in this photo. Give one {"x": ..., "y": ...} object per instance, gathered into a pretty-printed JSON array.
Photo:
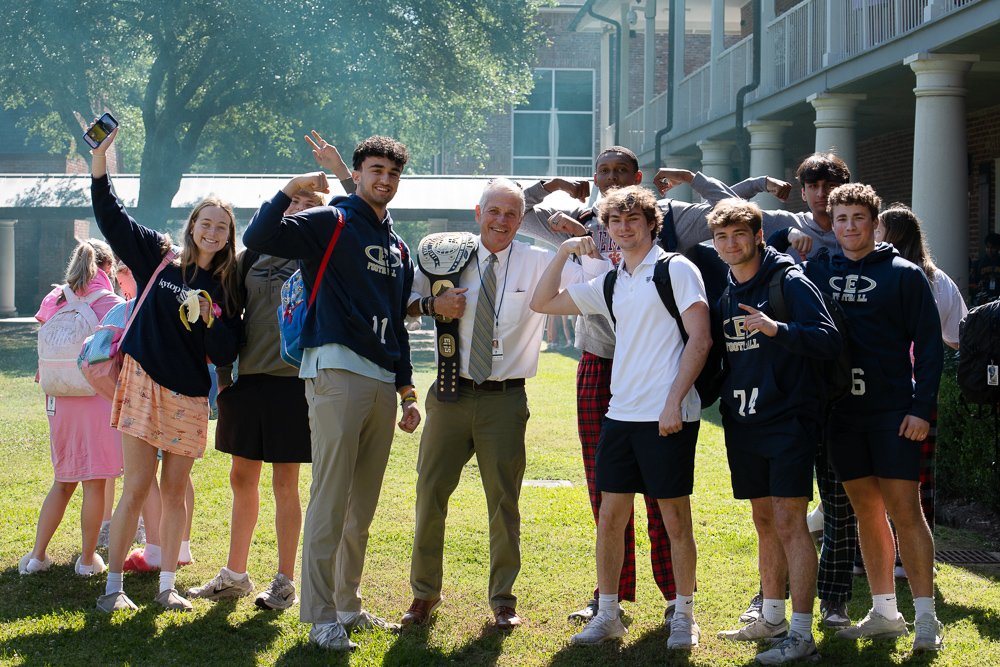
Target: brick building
[{"x": 905, "y": 90}]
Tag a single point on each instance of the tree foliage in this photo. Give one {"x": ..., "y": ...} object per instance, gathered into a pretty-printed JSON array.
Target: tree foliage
[{"x": 225, "y": 85}]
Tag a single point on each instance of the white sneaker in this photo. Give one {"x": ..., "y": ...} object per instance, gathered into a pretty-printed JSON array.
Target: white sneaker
[
  {"x": 222, "y": 586},
  {"x": 103, "y": 535},
  {"x": 28, "y": 565},
  {"x": 365, "y": 620},
  {"x": 684, "y": 633},
  {"x": 601, "y": 628},
  {"x": 280, "y": 594},
  {"x": 899, "y": 572},
  {"x": 876, "y": 626},
  {"x": 331, "y": 636},
  {"x": 792, "y": 647},
  {"x": 928, "y": 633},
  {"x": 96, "y": 567},
  {"x": 756, "y": 631},
  {"x": 815, "y": 521}
]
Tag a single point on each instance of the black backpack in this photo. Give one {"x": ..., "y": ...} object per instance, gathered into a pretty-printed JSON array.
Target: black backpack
[
  {"x": 979, "y": 356},
  {"x": 709, "y": 380},
  {"x": 836, "y": 373}
]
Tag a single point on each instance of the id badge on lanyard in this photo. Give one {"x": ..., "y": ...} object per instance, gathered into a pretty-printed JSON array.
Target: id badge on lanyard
[{"x": 497, "y": 342}]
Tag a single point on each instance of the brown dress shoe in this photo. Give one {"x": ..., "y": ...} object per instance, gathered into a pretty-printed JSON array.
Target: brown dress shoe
[
  {"x": 506, "y": 618},
  {"x": 420, "y": 611}
]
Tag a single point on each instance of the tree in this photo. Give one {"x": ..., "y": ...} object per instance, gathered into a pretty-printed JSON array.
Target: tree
[{"x": 224, "y": 83}]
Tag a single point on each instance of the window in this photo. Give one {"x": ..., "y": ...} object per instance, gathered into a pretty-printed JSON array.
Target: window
[{"x": 554, "y": 129}]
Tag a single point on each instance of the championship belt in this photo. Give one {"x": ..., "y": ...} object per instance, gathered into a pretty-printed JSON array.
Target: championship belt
[{"x": 442, "y": 257}]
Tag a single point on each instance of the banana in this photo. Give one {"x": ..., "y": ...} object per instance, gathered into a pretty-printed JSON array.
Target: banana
[{"x": 190, "y": 309}]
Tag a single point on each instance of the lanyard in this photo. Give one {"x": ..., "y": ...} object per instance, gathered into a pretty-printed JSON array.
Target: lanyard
[{"x": 506, "y": 272}]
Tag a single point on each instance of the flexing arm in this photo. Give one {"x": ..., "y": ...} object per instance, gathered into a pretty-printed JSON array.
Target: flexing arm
[
  {"x": 548, "y": 298},
  {"x": 294, "y": 236}
]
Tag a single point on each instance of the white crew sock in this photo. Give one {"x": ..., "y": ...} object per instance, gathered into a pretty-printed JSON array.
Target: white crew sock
[
  {"x": 116, "y": 583},
  {"x": 607, "y": 605},
  {"x": 773, "y": 611},
  {"x": 886, "y": 605},
  {"x": 184, "y": 556},
  {"x": 923, "y": 606},
  {"x": 684, "y": 605},
  {"x": 151, "y": 554},
  {"x": 239, "y": 576},
  {"x": 802, "y": 625},
  {"x": 167, "y": 580}
]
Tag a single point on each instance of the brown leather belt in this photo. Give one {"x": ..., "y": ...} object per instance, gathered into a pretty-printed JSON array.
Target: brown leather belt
[{"x": 491, "y": 385}]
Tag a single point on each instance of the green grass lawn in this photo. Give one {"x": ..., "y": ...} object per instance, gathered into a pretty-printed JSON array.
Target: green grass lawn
[{"x": 50, "y": 619}]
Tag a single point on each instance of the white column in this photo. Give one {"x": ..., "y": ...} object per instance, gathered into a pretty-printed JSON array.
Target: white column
[
  {"x": 940, "y": 169},
  {"x": 7, "y": 308},
  {"x": 717, "y": 159},
  {"x": 835, "y": 123},
  {"x": 718, "y": 46},
  {"x": 767, "y": 155}
]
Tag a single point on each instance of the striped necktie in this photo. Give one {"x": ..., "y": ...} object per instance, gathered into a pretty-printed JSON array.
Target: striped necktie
[{"x": 481, "y": 349}]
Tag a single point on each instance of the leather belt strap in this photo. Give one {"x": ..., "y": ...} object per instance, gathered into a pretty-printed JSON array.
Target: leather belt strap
[
  {"x": 490, "y": 385},
  {"x": 442, "y": 257}
]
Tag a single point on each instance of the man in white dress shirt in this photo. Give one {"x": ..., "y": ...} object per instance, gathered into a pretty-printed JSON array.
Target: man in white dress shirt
[{"x": 499, "y": 341}]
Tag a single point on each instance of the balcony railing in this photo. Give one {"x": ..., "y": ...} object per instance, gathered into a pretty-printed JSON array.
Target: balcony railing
[{"x": 800, "y": 43}]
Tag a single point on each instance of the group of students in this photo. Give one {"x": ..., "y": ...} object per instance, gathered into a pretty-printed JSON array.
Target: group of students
[{"x": 638, "y": 410}]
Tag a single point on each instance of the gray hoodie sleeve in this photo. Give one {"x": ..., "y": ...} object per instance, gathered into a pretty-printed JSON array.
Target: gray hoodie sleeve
[
  {"x": 691, "y": 220},
  {"x": 750, "y": 187},
  {"x": 535, "y": 224}
]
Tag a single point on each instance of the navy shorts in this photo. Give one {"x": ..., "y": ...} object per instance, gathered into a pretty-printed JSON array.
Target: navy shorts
[
  {"x": 873, "y": 450},
  {"x": 774, "y": 460},
  {"x": 632, "y": 457}
]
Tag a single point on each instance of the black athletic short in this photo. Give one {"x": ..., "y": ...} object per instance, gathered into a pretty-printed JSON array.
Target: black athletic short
[
  {"x": 632, "y": 457},
  {"x": 774, "y": 460},
  {"x": 873, "y": 450},
  {"x": 265, "y": 418}
]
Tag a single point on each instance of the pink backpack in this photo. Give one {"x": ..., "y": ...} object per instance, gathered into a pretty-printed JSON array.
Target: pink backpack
[{"x": 59, "y": 340}]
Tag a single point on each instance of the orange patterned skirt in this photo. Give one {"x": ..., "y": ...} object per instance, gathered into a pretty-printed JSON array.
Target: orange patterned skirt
[{"x": 165, "y": 419}]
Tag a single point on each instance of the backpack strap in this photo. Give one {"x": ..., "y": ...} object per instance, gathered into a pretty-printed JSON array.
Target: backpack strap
[
  {"x": 167, "y": 258},
  {"x": 668, "y": 233},
  {"x": 609, "y": 290},
  {"x": 776, "y": 294},
  {"x": 661, "y": 279},
  {"x": 339, "y": 227}
]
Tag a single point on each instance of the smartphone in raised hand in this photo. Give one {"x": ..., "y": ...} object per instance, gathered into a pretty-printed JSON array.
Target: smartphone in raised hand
[{"x": 100, "y": 130}]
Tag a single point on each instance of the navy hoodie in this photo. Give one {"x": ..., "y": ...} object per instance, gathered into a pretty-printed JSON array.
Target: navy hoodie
[
  {"x": 361, "y": 302},
  {"x": 889, "y": 306},
  {"x": 172, "y": 356},
  {"x": 771, "y": 380}
]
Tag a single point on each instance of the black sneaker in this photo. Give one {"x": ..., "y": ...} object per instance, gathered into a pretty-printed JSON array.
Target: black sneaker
[
  {"x": 834, "y": 614},
  {"x": 753, "y": 611}
]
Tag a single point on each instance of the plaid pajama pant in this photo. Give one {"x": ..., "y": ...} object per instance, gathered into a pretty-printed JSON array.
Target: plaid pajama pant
[
  {"x": 928, "y": 450},
  {"x": 835, "y": 578},
  {"x": 593, "y": 394}
]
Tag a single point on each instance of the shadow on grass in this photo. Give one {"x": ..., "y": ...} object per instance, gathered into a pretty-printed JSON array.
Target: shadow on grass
[
  {"x": 649, "y": 649},
  {"x": 411, "y": 648},
  {"x": 137, "y": 638},
  {"x": 19, "y": 349}
]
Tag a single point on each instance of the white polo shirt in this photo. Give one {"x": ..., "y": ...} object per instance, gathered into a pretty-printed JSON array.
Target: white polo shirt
[{"x": 649, "y": 345}]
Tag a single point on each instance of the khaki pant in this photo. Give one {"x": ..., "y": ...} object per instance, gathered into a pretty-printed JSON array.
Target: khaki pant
[
  {"x": 491, "y": 425},
  {"x": 351, "y": 419}
]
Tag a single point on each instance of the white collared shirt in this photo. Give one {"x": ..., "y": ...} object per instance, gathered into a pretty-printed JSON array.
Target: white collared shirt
[
  {"x": 649, "y": 345},
  {"x": 518, "y": 269}
]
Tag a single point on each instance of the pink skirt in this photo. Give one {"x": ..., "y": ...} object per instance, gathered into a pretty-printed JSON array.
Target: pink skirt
[
  {"x": 84, "y": 446},
  {"x": 165, "y": 419}
]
